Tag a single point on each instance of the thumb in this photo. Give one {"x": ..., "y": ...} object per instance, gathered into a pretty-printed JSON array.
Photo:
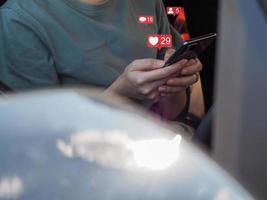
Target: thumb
[
  {"x": 168, "y": 54},
  {"x": 146, "y": 64}
]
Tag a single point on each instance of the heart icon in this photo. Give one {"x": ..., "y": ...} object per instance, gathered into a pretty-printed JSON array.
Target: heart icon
[
  {"x": 142, "y": 19},
  {"x": 153, "y": 40}
]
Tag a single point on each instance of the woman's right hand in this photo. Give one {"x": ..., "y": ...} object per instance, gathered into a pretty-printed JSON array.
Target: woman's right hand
[{"x": 142, "y": 78}]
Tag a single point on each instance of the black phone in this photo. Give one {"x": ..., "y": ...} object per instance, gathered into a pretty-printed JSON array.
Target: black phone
[{"x": 192, "y": 48}]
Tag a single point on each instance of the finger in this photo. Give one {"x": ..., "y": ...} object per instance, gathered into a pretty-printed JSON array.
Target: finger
[
  {"x": 170, "y": 89},
  {"x": 162, "y": 73},
  {"x": 181, "y": 65},
  {"x": 197, "y": 60},
  {"x": 147, "y": 88},
  {"x": 167, "y": 94},
  {"x": 146, "y": 64},
  {"x": 168, "y": 54},
  {"x": 192, "y": 69},
  {"x": 182, "y": 81},
  {"x": 155, "y": 84},
  {"x": 191, "y": 62},
  {"x": 153, "y": 95},
  {"x": 197, "y": 77}
]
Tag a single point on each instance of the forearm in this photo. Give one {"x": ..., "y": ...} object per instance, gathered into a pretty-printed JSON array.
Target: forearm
[
  {"x": 197, "y": 101},
  {"x": 118, "y": 87}
]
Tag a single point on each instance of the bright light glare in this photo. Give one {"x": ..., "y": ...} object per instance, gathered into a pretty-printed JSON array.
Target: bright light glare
[
  {"x": 115, "y": 149},
  {"x": 11, "y": 187},
  {"x": 155, "y": 154}
]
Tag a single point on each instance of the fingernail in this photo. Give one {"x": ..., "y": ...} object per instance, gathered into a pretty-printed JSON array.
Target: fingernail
[{"x": 160, "y": 63}]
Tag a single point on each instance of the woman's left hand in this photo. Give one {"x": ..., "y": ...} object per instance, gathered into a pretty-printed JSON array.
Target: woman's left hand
[{"x": 188, "y": 76}]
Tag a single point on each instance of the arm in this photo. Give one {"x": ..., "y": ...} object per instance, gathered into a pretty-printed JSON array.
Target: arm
[
  {"x": 142, "y": 78},
  {"x": 169, "y": 107},
  {"x": 27, "y": 61},
  {"x": 173, "y": 95},
  {"x": 197, "y": 100}
]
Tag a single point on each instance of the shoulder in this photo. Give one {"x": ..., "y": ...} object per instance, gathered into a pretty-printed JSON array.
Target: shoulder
[
  {"x": 23, "y": 7},
  {"x": 28, "y": 13},
  {"x": 20, "y": 4},
  {"x": 149, "y": 3},
  {"x": 148, "y": 6}
]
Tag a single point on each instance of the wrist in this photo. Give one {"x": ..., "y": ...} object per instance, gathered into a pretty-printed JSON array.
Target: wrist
[
  {"x": 117, "y": 87},
  {"x": 171, "y": 107}
]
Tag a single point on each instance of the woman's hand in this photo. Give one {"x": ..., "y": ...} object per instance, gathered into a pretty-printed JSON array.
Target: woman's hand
[
  {"x": 173, "y": 97},
  {"x": 142, "y": 78},
  {"x": 188, "y": 76}
]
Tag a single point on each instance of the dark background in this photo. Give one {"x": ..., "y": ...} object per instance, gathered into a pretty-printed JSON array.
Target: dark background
[
  {"x": 2, "y": 2},
  {"x": 201, "y": 16}
]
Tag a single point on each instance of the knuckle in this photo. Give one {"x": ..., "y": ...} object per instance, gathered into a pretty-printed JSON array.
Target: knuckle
[
  {"x": 139, "y": 80},
  {"x": 127, "y": 76},
  {"x": 127, "y": 68},
  {"x": 140, "y": 91},
  {"x": 145, "y": 90},
  {"x": 151, "y": 62},
  {"x": 171, "y": 51},
  {"x": 164, "y": 73},
  {"x": 167, "y": 72},
  {"x": 169, "y": 82},
  {"x": 175, "y": 82},
  {"x": 151, "y": 97},
  {"x": 134, "y": 63}
]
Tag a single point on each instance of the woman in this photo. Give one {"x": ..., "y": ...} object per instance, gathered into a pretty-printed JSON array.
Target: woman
[{"x": 94, "y": 42}]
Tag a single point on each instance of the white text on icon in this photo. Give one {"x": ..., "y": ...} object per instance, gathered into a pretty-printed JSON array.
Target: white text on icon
[
  {"x": 145, "y": 19},
  {"x": 159, "y": 41},
  {"x": 173, "y": 11}
]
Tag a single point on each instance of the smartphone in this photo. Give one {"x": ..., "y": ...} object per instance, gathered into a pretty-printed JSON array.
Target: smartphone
[{"x": 192, "y": 48}]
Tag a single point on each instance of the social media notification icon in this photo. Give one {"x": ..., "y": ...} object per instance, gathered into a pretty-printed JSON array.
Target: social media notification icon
[
  {"x": 173, "y": 10},
  {"x": 159, "y": 41},
  {"x": 145, "y": 19}
]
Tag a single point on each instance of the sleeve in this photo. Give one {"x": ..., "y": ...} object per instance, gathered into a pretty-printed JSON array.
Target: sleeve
[
  {"x": 164, "y": 27},
  {"x": 26, "y": 61}
]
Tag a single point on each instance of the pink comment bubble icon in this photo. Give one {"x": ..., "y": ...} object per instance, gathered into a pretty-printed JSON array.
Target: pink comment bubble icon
[{"x": 142, "y": 19}]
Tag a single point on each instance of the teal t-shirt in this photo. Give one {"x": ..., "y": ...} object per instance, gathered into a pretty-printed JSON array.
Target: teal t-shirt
[{"x": 52, "y": 42}]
